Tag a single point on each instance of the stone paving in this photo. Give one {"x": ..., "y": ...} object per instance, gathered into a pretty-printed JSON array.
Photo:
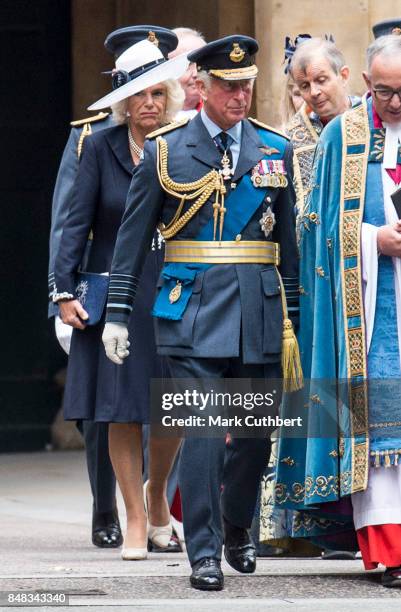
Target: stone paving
[{"x": 45, "y": 546}]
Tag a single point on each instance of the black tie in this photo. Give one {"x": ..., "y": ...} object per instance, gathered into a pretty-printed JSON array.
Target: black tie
[{"x": 224, "y": 142}]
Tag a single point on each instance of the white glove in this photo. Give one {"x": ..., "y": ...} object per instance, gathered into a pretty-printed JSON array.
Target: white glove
[
  {"x": 115, "y": 340},
  {"x": 63, "y": 333}
]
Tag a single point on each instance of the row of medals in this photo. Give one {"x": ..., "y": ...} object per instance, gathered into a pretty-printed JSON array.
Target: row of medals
[
  {"x": 275, "y": 176},
  {"x": 272, "y": 175}
]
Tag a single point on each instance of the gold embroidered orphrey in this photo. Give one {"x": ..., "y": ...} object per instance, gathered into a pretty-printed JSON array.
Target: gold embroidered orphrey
[
  {"x": 355, "y": 132},
  {"x": 237, "y": 54},
  {"x": 304, "y": 139}
]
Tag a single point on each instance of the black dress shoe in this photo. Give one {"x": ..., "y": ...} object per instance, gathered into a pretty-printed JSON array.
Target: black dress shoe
[
  {"x": 207, "y": 575},
  {"x": 106, "y": 530},
  {"x": 338, "y": 555},
  {"x": 239, "y": 550},
  {"x": 392, "y": 577}
]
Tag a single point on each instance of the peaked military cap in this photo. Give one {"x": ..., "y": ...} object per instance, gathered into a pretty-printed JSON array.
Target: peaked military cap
[
  {"x": 388, "y": 26},
  {"x": 120, "y": 40},
  {"x": 231, "y": 58}
]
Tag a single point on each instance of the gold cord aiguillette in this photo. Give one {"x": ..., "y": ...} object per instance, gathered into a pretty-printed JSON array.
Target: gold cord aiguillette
[{"x": 199, "y": 190}]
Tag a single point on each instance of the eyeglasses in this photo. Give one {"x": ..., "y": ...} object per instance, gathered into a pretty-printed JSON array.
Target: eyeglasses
[{"x": 387, "y": 94}]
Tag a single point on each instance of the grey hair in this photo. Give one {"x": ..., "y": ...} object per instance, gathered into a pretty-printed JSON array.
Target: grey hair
[
  {"x": 384, "y": 45},
  {"x": 205, "y": 77},
  {"x": 175, "y": 101},
  {"x": 189, "y": 32},
  {"x": 307, "y": 50}
]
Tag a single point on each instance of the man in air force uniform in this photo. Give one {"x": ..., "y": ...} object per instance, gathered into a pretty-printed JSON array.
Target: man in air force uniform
[{"x": 219, "y": 309}]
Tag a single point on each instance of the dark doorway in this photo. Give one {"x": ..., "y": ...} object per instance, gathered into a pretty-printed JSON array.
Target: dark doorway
[{"x": 35, "y": 110}]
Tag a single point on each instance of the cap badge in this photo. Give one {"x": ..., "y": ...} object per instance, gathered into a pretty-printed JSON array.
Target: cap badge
[
  {"x": 396, "y": 31},
  {"x": 153, "y": 38},
  {"x": 237, "y": 54}
]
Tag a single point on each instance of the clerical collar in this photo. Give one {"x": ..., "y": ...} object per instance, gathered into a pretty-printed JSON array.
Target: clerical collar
[
  {"x": 214, "y": 129},
  {"x": 391, "y": 140}
]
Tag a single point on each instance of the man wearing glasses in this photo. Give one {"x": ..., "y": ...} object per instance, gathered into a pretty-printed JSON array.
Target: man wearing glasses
[{"x": 351, "y": 298}]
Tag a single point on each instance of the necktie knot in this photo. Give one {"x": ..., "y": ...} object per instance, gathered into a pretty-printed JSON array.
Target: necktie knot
[{"x": 223, "y": 141}]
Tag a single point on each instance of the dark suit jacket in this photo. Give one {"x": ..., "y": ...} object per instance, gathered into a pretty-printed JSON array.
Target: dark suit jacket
[{"x": 231, "y": 304}]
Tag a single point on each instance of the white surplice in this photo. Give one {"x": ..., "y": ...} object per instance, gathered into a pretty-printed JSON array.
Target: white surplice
[{"x": 380, "y": 504}]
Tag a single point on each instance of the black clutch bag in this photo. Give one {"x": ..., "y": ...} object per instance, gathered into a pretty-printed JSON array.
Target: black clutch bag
[{"x": 91, "y": 291}]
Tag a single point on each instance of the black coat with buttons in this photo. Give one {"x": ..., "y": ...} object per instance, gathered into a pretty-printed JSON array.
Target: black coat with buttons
[{"x": 97, "y": 389}]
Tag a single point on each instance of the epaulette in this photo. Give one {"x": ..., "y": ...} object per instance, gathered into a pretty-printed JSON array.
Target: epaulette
[
  {"x": 168, "y": 128},
  {"x": 99, "y": 117},
  {"x": 268, "y": 127}
]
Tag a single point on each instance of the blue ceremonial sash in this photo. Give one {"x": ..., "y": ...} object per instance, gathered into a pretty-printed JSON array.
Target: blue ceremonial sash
[{"x": 237, "y": 217}]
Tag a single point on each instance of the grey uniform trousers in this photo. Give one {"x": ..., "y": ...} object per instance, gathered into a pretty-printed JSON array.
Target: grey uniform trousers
[{"x": 217, "y": 478}]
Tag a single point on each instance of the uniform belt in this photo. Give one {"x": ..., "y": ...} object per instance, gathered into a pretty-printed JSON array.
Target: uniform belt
[{"x": 225, "y": 252}]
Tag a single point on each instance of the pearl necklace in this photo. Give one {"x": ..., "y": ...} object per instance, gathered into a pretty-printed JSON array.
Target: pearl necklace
[{"x": 133, "y": 145}]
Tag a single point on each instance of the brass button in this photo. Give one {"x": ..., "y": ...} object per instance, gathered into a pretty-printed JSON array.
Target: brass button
[
  {"x": 238, "y": 237},
  {"x": 233, "y": 185},
  {"x": 268, "y": 199}
]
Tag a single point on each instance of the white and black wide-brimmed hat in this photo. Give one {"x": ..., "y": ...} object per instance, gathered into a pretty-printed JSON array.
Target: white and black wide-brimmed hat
[{"x": 142, "y": 65}]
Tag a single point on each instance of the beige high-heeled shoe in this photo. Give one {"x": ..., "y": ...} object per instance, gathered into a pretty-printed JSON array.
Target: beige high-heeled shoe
[
  {"x": 134, "y": 554},
  {"x": 158, "y": 536}
]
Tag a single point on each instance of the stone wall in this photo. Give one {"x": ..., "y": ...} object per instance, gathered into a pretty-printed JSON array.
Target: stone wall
[
  {"x": 349, "y": 21},
  {"x": 92, "y": 20}
]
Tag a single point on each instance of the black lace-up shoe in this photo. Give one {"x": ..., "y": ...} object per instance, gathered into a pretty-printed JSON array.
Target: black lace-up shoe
[
  {"x": 239, "y": 550},
  {"x": 207, "y": 575},
  {"x": 392, "y": 577}
]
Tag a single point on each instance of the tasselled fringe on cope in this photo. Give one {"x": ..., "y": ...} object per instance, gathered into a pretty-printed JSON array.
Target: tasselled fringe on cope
[{"x": 385, "y": 458}]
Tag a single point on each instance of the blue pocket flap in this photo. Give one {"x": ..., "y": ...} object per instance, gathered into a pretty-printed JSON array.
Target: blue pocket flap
[
  {"x": 270, "y": 282},
  {"x": 185, "y": 280}
]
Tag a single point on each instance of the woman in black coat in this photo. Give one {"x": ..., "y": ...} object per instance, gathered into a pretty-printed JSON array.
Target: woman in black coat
[{"x": 97, "y": 389}]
